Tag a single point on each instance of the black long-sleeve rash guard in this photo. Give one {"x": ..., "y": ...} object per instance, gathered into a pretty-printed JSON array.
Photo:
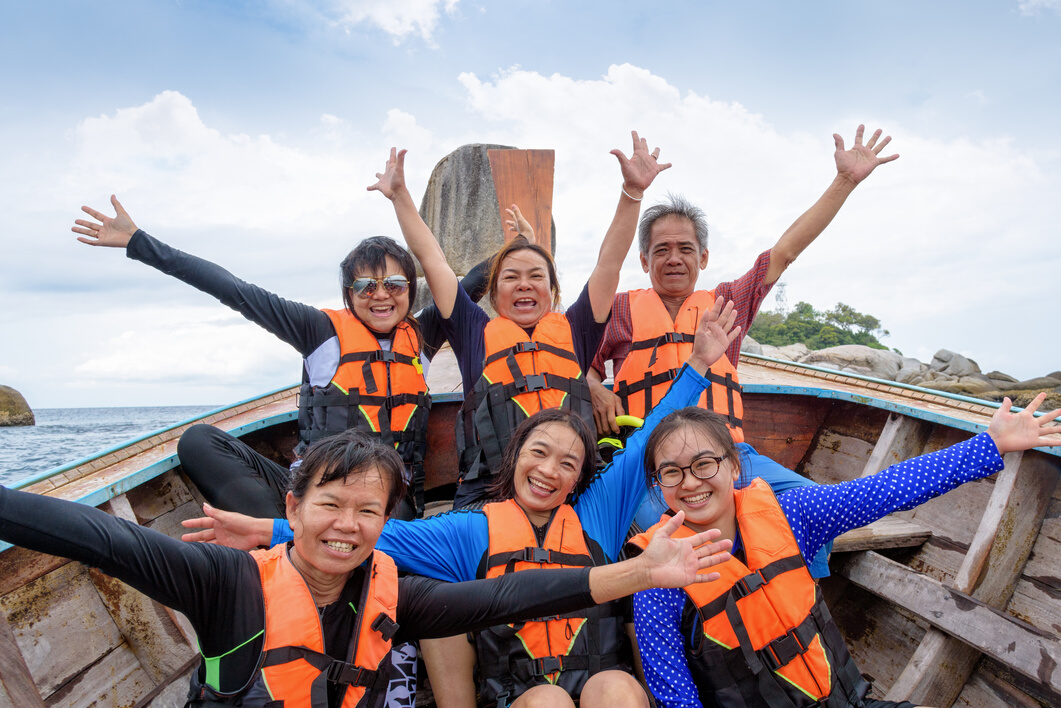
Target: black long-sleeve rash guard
[
  {"x": 304, "y": 327},
  {"x": 219, "y": 589}
]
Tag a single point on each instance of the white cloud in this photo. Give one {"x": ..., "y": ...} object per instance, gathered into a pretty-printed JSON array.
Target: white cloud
[
  {"x": 163, "y": 148},
  {"x": 978, "y": 97},
  {"x": 1032, "y": 7},
  {"x": 399, "y": 18}
]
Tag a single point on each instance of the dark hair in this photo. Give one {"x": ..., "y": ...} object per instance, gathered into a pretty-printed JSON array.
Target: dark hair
[
  {"x": 370, "y": 256},
  {"x": 522, "y": 244},
  {"x": 504, "y": 485},
  {"x": 351, "y": 452},
  {"x": 708, "y": 421},
  {"x": 676, "y": 205}
]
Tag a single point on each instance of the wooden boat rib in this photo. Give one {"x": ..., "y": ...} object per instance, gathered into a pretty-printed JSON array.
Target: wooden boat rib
[{"x": 952, "y": 603}]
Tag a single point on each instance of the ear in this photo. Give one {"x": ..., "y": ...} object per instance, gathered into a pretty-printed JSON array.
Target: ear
[
  {"x": 644, "y": 262},
  {"x": 291, "y": 504},
  {"x": 703, "y": 259}
]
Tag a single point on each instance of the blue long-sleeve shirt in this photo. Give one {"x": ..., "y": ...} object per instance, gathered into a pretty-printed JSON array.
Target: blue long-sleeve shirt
[
  {"x": 450, "y": 546},
  {"x": 816, "y": 515}
]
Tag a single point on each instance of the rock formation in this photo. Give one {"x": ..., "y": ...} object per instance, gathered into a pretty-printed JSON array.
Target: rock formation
[
  {"x": 460, "y": 205},
  {"x": 948, "y": 371},
  {"x": 13, "y": 408}
]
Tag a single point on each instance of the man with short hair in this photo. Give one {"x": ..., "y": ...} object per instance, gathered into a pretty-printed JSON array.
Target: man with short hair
[{"x": 650, "y": 332}]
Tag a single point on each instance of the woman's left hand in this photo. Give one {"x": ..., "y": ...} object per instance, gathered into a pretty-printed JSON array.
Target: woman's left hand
[
  {"x": 714, "y": 335},
  {"x": 1013, "y": 432},
  {"x": 677, "y": 562}
]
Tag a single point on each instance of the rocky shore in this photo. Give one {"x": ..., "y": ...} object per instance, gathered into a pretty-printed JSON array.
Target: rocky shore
[
  {"x": 13, "y": 408},
  {"x": 948, "y": 371}
]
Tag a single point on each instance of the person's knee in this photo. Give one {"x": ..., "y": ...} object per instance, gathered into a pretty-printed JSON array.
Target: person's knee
[
  {"x": 196, "y": 442},
  {"x": 613, "y": 689},
  {"x": 545, "y": 696}
]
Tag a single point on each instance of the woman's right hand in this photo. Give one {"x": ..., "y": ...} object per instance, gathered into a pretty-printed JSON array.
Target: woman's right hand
[
  {"x": 229, "y": 528},
  {"x": 714, "y": 334},
  {"x": 110, "y": 232},
  {"x": 392, "y": 180}
]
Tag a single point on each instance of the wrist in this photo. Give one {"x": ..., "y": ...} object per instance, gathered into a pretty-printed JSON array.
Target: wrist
[{"x": 634, "y": 194}]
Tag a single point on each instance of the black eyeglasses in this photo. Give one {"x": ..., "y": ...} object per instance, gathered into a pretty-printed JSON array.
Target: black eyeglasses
[
  {"x": 702, "y": 468},
  {"x": 393, "y": 284}
]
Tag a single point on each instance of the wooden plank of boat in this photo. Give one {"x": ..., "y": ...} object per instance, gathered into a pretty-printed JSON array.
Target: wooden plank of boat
[{"x": 1023, "y": 648}]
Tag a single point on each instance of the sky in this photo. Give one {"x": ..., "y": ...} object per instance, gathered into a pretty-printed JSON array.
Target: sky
[{"x": 246, "y": 133}]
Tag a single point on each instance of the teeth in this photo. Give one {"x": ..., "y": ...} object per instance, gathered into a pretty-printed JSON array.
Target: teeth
[
  {"x": 340, "y": 546},
  {"x": 541, "y": 485},
  {"x": 698, "y": 498}
]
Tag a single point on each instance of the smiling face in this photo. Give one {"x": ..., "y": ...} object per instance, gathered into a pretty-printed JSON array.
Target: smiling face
[
  {"x": 382, "y": 311},
  {"x": 547, "y": 469},
  {"x": 524, "y": 291},
  {"x": 336, "y": 525},
  {"x": 674, "y": 258},
  {"x": 707, "y": 503}
]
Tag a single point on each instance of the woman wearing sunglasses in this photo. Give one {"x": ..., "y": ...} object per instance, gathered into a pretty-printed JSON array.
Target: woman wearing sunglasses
[
  {"x": 348, "y": 380},
  {"x": 762, "y": 636}
]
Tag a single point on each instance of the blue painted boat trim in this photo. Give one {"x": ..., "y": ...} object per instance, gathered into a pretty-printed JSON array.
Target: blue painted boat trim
[{"x": 40, "y": 477}]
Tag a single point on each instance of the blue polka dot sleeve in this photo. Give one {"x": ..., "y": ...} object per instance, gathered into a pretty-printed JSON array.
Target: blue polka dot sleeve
[
  {"x": 817, "y": 515},
  {"x": 821, "y": 513}
]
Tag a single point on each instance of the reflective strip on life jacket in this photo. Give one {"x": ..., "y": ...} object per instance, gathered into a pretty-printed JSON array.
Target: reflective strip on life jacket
[{"x": 659, "y": 348}]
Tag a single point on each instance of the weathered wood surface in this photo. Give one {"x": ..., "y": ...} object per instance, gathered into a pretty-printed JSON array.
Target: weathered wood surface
[
  {"x": 115, "y": 680},
  {"x": 525, "y": 178},
  {"x": 903, "y": 437},
  {"x": 889, "y": 532},
  {"x": 1023, "y": 648},
  {"x": 783, "y": 427},
  {"x": 16, "y": 682},
  {"x": 60, "y": 626}
]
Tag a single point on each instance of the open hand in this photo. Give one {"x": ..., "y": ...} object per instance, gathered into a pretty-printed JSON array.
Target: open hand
[
  {"x": 1013, "y": 432},
  {"x": 714, "y": 335},
  {"x": 677, "y": 562},
  {"x": 857, "y": 163},
  {"x": 109, "y": 232},
  {"x": 392, "y": 179},
  {"x": 641, "y": 168},
  {"x": 229, "y": 528},
  {"x": 518, "y": 225}
]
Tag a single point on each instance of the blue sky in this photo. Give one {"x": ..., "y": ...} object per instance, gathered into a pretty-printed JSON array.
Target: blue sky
[{"x": 246, "y": 133}]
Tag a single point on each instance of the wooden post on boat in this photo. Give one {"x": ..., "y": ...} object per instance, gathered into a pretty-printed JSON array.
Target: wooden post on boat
[{"x": 525, "y": 178}]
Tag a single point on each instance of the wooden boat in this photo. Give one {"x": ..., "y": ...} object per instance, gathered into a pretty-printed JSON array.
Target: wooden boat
[{"x": 953, "y": 603}]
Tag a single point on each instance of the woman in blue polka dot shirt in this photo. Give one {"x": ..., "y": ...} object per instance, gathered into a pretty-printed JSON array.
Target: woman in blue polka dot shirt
[{"x": 761, "y": 636}]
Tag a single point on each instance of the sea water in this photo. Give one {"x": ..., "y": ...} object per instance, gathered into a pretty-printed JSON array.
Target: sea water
[{"x": 64, "y": 435}]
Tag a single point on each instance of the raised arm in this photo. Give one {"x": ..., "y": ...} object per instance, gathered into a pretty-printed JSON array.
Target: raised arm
[
  {"x": 852, "y": 166},
  {"x": 109, "y": 232},
  {"x": 638, "y": 173},
  {"x": 423, "y": 244}
]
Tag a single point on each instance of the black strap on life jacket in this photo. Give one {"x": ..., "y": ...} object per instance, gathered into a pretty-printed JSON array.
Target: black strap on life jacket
[
  {"x": 331, "y": 670},
  {"x": 654, "y": 344},
  {"x": 534, "y": 554},
  {"x": 369, "y": 358},
  {"x": 625, "y": 389},
  {"x": 521, "y": 347}
]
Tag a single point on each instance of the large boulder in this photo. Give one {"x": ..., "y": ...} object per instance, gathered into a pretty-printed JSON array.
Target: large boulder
[
  {"x": 1042, "y": 382},
  {"x": 461, "y": 208},
  {"x": 751, "y": 346},
  {"x": 791, "y": 352},
  {"x": 13, "y": 408},
  {"x": 974, "y": 386},
  {"x": 857, "y": 359},
  {"x": 948, "y": 362},
  {"x": 910, "y": 371}
]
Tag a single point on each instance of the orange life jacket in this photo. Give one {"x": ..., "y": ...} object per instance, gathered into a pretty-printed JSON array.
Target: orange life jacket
[
  {"x": 380, "y": 392},
  {"x": 294, "y": 670},
  {"x": 659, "y": 348},
  {"x": 769, "y": 612},
  {"x": 521, "y": 376},
  {"x": 565, "y": 650}
]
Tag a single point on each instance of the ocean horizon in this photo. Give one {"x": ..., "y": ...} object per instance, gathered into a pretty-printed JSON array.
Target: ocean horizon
[{"x": 65, "y": 435}]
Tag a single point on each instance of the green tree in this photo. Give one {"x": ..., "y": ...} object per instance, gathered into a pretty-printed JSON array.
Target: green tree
[{"x": 817, "y": 330}]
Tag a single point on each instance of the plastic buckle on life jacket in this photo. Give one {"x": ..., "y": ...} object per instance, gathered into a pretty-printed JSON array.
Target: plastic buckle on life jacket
[
  {"x": 535, "y": 382},
  {"x": 546, "y": 665},
  {"x": 344, "y": 673},
  {"x": 525, "y": 347},
  {"x": 532, "y": 554},
  {"x": 502, "y": 700},
  {"x": 782, "y": 651},
  {"x": 385, "y": 626},
  {"x": 387, "y": 356},
  {"x": 749, "y": 584}
]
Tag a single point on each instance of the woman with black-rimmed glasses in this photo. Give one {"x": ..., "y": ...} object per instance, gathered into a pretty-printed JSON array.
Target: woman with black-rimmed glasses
[{"x": 364, "y": 366}]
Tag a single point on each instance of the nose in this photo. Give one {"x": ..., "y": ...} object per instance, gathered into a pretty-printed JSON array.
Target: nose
[
  {"x": 689, "y": 481},
  {"x": 381, "y": 292},
  {"x": 673, "y": 257},
  {"x": 346, "y": 521}
]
